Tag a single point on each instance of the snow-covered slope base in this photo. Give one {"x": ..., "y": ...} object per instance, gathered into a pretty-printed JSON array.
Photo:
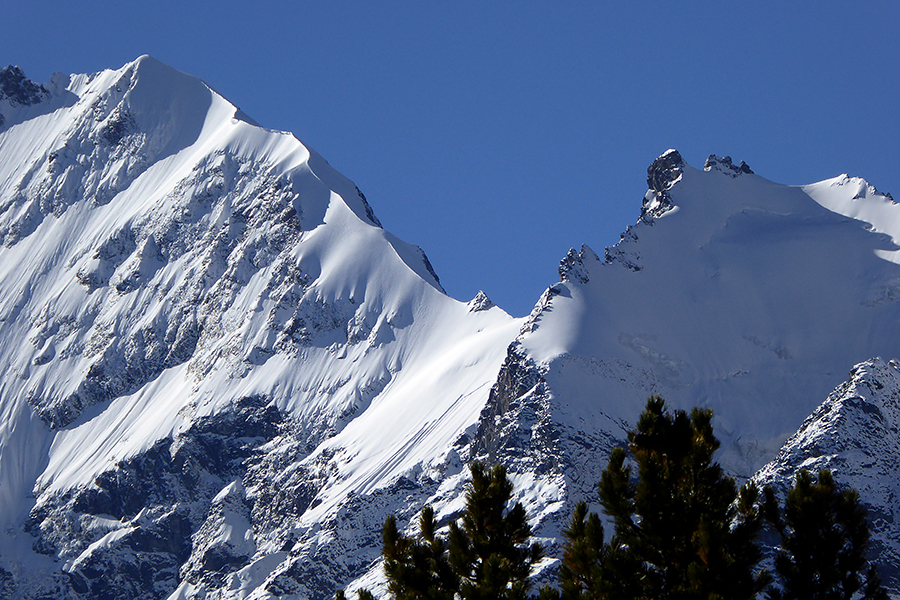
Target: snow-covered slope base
[{"x": 222, "y": 373}]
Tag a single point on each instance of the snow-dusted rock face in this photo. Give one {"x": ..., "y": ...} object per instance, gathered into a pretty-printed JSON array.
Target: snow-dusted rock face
[
  {"x": 723, "y": 164},
  {"x": 662, "y": 174},
  {"x": 18, "y": 90},
  {"x": 213, "y": 350},
  {"x": 222, "y": 373},
  {"x": 855, "y": 434}
]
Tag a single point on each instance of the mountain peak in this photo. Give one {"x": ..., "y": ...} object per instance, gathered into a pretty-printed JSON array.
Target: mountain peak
[
  {"x": 17, "y": 89},
  {"x": 480, "y": 302},
  {"x": 861, "y": 412},
  {"x": 665, "y": 171},
  {"x": 223, "y": 373},
  {"x": 572, "y": 267},
  {"x": 662, "y": 174}
]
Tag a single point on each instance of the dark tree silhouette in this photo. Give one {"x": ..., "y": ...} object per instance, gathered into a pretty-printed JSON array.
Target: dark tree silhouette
[
  {"x": 417, "y": 568},
  {"x": 682, "y": 530},
  {"x": 824, "y": 539},
  {"x": 490, "y": 551},
  {"x": 486, "y": 556}
]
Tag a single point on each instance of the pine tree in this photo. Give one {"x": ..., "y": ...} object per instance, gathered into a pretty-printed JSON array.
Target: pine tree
[
  {"x": 681, "y": 528},
  {"x": 362, "y": 594},
  {"x": 591, "y": 569},
  {"x": 490, "y": 551},
  {"x": 487, "y": 556},
  {"x": 584, "y": 555},
  {"x": 824, "y": 538},
  {"x": 417, "y": 568}
]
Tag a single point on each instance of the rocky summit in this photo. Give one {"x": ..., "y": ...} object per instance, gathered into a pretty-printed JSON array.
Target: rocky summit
[{"x": 223, "y": 372}]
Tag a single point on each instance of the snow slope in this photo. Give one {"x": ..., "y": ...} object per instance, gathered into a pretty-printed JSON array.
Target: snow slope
[
  {"x": 731, "y": 293},
  {"x": 741, "y": 295},
  {"x": 165, "y": 259}
]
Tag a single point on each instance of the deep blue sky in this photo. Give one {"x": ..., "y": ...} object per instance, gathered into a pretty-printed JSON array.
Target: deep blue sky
[{"x": 497, "y": 137}]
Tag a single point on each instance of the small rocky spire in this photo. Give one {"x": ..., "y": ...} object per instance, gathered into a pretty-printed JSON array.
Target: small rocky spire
[
  {"x": 662, "y": 174},
  {"x": 723, "y": 164},
  {"x": 665, "y": 171},
  {"x": 18, "y": 90},
  {"x": 480, "y": 302}
]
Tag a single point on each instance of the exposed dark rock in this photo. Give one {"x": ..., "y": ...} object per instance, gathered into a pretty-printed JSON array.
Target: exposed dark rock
[
  {"x": 625, "y": 251},
  {"x": 572, "y": 267},
  {"x": 855, "y": 434},
  {"x": 521, "y": 429},
  {"x": 18, "y": 89},
  {"x": 662, "y": 174},
  {"x": 431, "y": 271},
  {"x": 723, "y": 164},
  {"x": 119, "y": 124},
  {"x": 222, "y": 544},
  {"x": 160, "y": 499},
  {"x": 480, "y": 302},
  {"x": 124, "y": 360},
  {"x": 369, "y": 212},
  {"x": 280, "y": 488},
  {"x": 7, "y": 584},
  {"x": 543, "y": 303},
  {"x": 316, "y": 570},
  {"x": 665, "y": 171},
  {"x": 501, "y": 430},
  {"x": 125, "y": 576}
]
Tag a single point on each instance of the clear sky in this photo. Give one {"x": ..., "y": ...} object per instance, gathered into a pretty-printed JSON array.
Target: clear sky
[{"x": 497, "y": 135}]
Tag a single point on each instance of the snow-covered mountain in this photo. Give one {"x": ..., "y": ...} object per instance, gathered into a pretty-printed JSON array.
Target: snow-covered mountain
[
  {"x": 855, "y": 434},
  {"x": 188, "y": 298},
  {"x": 221, "y": 372}
]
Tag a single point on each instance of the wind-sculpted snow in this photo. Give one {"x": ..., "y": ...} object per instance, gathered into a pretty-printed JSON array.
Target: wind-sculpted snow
[
  {"x": 169, "y": 266},
  {"x": 855, "y": 434},
  {"x": 222, "y": 373},
  {"x": 732, "y": 299}
]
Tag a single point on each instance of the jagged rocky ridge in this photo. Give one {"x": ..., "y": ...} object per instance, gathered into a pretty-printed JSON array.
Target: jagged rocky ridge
[
  {"x": 224, "y": 373},
  {"x": 18, "y": 90}
]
